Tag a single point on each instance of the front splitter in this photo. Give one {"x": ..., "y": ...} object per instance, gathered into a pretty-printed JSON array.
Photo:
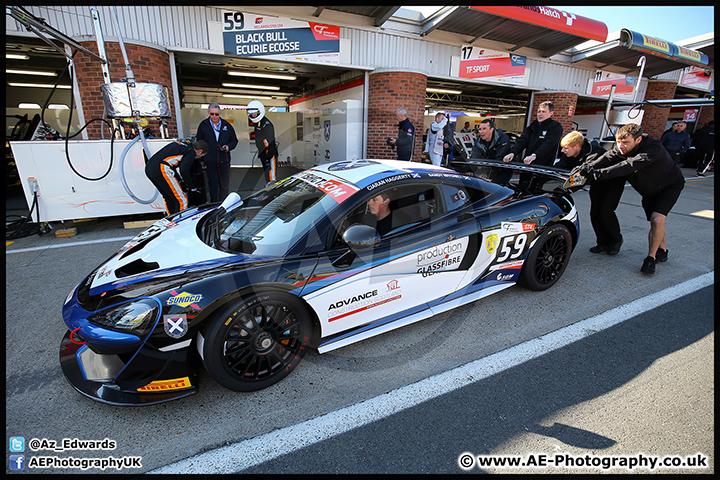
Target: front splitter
[{"x": 108, "y": 392}]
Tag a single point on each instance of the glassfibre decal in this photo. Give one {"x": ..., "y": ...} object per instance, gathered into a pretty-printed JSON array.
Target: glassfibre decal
[
  {"x": 335, "y": 189},
  {"x": 441, "y": 258}
]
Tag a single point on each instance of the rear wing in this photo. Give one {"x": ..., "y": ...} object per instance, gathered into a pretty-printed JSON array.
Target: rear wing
[{"x": 570, "y": 183}]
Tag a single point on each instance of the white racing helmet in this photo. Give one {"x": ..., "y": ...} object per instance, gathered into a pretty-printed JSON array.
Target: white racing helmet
[{"x": 255, "y": 110}]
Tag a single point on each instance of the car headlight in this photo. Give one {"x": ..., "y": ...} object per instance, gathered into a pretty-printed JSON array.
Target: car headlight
[{"x": 136, "y": 315}]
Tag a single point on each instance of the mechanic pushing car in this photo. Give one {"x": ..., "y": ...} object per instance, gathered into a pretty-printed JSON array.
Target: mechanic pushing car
[
  {"x": 264, "y": 139},
  {"x": 170, "y": 170}
]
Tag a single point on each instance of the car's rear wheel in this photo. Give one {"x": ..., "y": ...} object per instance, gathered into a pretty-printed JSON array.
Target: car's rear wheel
[
  {"x": 548, "y": 259},
  {"x": 257, "y": 341}
]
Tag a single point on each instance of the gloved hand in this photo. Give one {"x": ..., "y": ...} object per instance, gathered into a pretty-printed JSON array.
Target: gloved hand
[{"x": 194, "y": 190}]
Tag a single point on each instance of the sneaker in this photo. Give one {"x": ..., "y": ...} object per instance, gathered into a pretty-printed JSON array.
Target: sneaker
[
  {"x": 614, "y": 249},
  {"x": 599, "y": 249},
  {"x": 661, "y": 255},
  {"x": 648, "y": 265}
]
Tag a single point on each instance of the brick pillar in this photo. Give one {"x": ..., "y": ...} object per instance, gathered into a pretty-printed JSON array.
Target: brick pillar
[
  {"x": 388, "y": 91},
  {"x": 565, "y": 104},
  {"x": 707, "y": 114},
  {"x": 149, "y": 65},
  {"x": 655, "y": 118}
]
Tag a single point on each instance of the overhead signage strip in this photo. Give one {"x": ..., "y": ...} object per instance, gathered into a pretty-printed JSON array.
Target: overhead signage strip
[{"x": 661, "y": 48}]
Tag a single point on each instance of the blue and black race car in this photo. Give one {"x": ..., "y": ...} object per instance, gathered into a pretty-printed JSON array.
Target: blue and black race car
[{"x": 248, "y": 286}]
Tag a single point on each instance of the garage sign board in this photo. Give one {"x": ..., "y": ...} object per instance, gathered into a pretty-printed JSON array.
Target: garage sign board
[
  {"x": 485, "y": 64},
  {"x": 276, "y": 38}
]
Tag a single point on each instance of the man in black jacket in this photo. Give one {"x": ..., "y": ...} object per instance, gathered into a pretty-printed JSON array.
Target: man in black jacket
[
  {"x": 492, "y": 143},
  {"x": 604, "y": 194},
  {"x": 647, "y": 165},
  {"x": 540, "y": 140},
  {"x": 170, "y": 171},
  {"x": 220, "y": 136},
  {"x": 405, "y": 141}
]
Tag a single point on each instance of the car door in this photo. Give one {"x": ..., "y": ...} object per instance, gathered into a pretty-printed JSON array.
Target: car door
[{"x": 410, "y": 266}]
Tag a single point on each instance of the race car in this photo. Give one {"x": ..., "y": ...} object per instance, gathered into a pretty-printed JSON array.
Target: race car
[{"x": 246, "y": 287}]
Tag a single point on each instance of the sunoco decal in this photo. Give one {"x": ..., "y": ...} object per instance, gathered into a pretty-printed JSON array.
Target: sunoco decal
[
  {"x": 442, "y": 258},
  {"x": 364, "y": 301},
  {"x": 184, "y": 299},
  {"x": 335, "y": 189}
]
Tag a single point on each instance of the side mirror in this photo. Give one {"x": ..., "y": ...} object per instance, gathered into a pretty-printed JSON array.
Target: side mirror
[{"x": 358, "y": 237}]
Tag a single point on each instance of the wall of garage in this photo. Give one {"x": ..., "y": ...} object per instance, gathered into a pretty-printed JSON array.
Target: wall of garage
[{"x": 400, "y": 63}]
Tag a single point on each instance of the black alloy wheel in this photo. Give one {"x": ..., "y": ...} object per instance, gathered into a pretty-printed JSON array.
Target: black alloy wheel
[
  {"x": 548, "y": 259},
  {"x": 257, "y": 341}
]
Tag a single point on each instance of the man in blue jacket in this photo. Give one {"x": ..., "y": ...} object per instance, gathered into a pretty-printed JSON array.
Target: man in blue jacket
[
  {"x": 221, "y": 138},
  {"x": 676, "y": 142},
  {"x": 405, "y": 141}
]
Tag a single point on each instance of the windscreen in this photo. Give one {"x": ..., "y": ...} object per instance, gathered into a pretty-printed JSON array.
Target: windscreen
[{"x": 272, "y": 220}]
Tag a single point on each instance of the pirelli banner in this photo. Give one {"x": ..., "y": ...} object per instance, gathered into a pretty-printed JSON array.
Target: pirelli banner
[
  {"x": 661, "y": 48},
  {"x": 276, "y": 38}
]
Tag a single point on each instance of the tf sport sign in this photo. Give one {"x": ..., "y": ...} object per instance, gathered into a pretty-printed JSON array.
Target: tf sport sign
[{"x": 249, "y": 35}]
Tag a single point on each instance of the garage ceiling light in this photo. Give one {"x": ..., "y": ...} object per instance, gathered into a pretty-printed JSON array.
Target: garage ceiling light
[
  {"x": 16, "y": 56},
  {"x": 37, "y": 85},
  {"x": 236, "y": 73},
  {"x": 254, "y": 97},
  {"x": 31, "y": 72},
  {"x": 444, "y": 90},
  {"x": 243, "y": 85}
]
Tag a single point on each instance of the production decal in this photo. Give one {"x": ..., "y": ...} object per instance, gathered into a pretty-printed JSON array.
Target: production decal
[
  {"x": 441, "y": 258},
  {"x": 184, "y": 299},
  {"x": 364, "y": 301},
  {"x": 175, "y": 325},
  {"x": 335, "y": 189},
  {"x": 165, "y": 385}
]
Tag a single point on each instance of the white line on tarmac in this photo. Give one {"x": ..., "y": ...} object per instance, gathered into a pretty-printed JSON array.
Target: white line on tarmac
[
  {"x": 254, "y": 451},
  {"x": 73, "y": 244}
]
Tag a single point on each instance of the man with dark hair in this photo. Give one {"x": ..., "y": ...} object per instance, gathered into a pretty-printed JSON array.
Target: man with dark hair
[
  {"x": 651, "y": 171},
  {"x": 170, "y": 170},
  {"x": 676, "y": 142},
  {"x": 492, "y": 143},
  {"x": 540, "y": 140}
]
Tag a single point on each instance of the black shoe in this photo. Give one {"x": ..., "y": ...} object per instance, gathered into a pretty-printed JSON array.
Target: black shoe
[
  {"x": 648, "y": 265},
  {"x": 661, "y": 255},
  {"x": 615, "y": 248},
  {"x": 599, "y": 249}
]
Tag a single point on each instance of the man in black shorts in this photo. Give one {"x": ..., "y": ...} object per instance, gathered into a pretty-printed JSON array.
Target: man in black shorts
[{"x": 652, "y": 173}]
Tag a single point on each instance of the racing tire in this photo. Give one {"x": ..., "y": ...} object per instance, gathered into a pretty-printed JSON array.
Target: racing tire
[
  {"x": 256, "y": 342},
  {"x": 548, "y": 259}
]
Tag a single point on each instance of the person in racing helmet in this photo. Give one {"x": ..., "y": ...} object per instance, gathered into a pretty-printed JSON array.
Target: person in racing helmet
[
  {"x": 170, "y": 171},
  {"x": 264, "y": 139}
]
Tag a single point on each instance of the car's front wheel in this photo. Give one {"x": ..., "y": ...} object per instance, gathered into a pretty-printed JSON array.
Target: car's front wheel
[
  {"x": 256, "y": 341},
  {"x": 548, "y": 259}
]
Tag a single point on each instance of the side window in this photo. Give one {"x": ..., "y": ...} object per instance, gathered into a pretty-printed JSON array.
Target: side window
[
  {"x": 458, "y": 196},
  {"x": 394, "y": 210}
]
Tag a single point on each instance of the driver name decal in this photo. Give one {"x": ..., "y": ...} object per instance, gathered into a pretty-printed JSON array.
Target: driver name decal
[{"x": 364, "y": 301}]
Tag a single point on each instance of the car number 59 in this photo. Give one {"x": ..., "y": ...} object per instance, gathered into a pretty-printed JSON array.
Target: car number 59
[{"x": 512, "y": 247}]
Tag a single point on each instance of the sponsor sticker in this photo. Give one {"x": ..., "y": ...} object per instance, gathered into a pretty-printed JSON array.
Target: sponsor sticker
[
  {"x": 175, "y": 325},
  {"x": 441, "y": 258},
  {"x": 491, "y": 243},
  {"x": 165, "y": 385},
  {"x": 184, "y": 299},
  {"x": 517, "y": 227},
  {"x": 364, "y": 301},
  {"x": 335, "y": 189}
]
